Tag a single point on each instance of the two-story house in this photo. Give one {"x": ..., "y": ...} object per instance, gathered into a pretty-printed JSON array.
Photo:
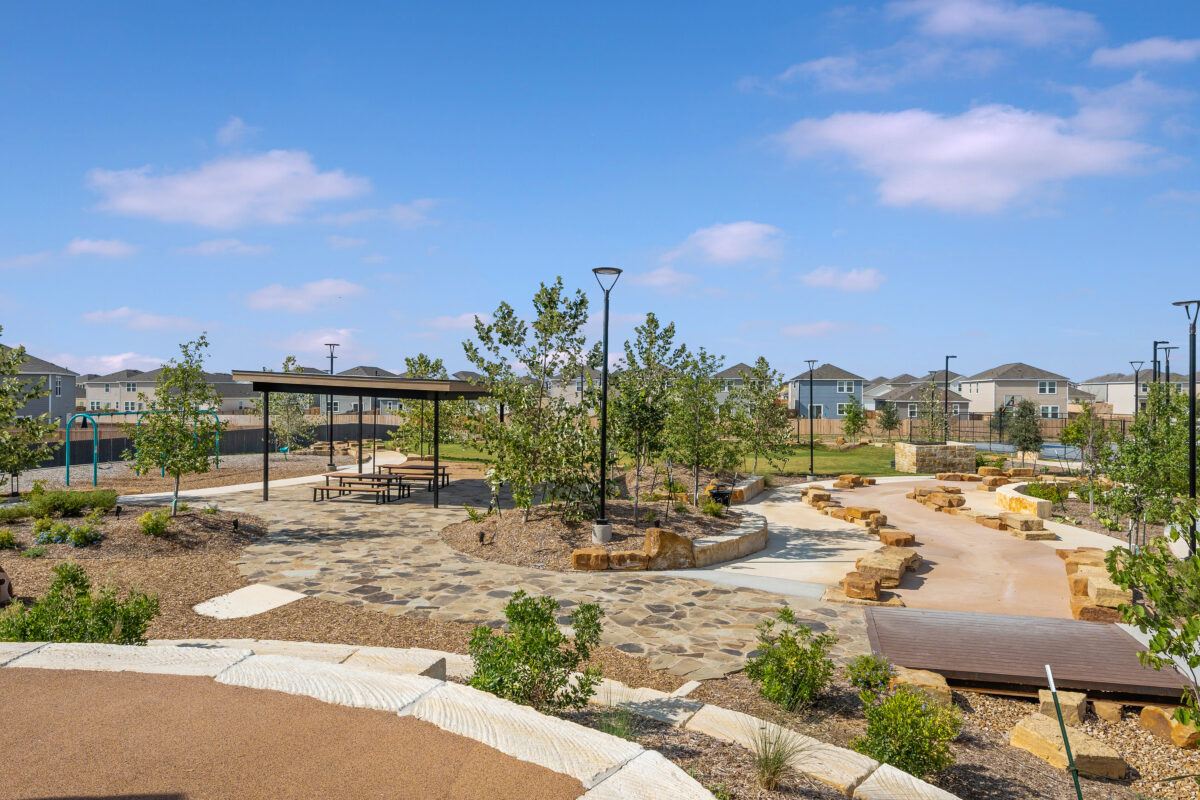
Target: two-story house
[
  {"x": 907, "y": 400},
  {"x": 833, "y": 388},
  {"x": 128, "y": 391},
  {"x": 1117, "y": 389},
  {"x": 730, "y": 378},
  {"x": 882, "y": 386},
  {"x": 1008, "y": 384},
  {"x": 59, "y": 383}
]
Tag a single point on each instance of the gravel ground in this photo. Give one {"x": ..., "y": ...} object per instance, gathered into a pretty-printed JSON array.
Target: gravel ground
[{"x": 120, "y": 476}]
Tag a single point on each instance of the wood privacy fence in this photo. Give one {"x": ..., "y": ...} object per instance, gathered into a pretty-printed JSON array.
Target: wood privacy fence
[{"x": 962, "y": 429}]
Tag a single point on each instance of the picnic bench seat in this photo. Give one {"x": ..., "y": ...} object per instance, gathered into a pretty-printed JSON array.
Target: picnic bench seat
[{"x": 381, "y": 493}]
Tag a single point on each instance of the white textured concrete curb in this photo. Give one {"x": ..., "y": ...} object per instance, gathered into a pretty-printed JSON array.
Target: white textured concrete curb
[
  {"x": 13, "y": 650},
  {"x": 257, "y": 598},
  {"x": 889, "y": 783},
  {"x": 126, "y": 658}
]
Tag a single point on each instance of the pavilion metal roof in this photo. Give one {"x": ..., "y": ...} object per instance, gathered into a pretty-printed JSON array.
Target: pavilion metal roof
[{"x": 367, "y": 386}]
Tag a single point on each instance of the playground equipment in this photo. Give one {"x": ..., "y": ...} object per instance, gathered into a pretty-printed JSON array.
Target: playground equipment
[{"x": 96, "y": 438}]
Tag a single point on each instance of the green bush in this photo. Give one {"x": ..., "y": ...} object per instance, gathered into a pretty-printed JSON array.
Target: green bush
[
  {"x": 871, "y": 675},
  {"x": 212, "y": 508},
  {"x": 71, "y": 504},
  {"x": 650, "y": 517},
  {"x": 1047, "y": 491},
  {"x": 532, "y": 662},
  {"x": 33, "y": 552},
  {"x": 793, "y": 665},
  {"x": 42, "y": 524},
  {"x": 7, "y": 540},
  {"x": 910, "y": 731},
  {"x": 47, "y": 531},
  {"x": 155, "y": 523},
  {"x": 71, "y": 612},
  {"x": 713, "y": 508},
  {"x": 14, "y": 512},
  {"x": 681, "y": 507}
]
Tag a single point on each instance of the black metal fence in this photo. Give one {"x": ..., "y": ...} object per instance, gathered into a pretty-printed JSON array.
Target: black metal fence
[{"x": 978, "y": 429}]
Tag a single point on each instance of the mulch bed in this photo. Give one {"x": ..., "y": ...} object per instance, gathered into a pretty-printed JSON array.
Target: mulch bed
[
  {"x": 546, "y": 541},
  {"x": 1077, "y": 512}
]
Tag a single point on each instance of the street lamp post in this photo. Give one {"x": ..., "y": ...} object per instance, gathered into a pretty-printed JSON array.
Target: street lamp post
[
  {"x": 329, "y": 402},
  {"x": 812, "y": 472},
  {"x": 1137, "y": 399},
  {"x": 1192, "y": 309},
  {"x": 946, "y": 399},
  {"x": 601, "y": 528},
  {"x": 1167, "y": 366},
  {"x": 1154, "y": 363}
]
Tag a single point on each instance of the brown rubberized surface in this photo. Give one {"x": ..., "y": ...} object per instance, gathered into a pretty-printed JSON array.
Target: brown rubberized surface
[
  {"x": 997, "y": 649},
  {"x": 108, "y": 735}
]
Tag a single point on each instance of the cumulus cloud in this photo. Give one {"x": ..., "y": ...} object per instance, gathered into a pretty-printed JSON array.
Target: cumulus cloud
[
  {"x": 312, "y": 343},
  {"x": 880, "y": 70},
  {"x": 665, "y": 277},
  {"x": 1122, "y": 110},
  {"x": 731, "y": 242},
  {"x": 271, "y": 188},
  {"x": 1155, "y": 50},
  {"x": 853, "y": 280},
  {"x": 136, "y": 319},
  {"x": 979, "y": 161},
  {"x": 305, "y": 297},
  {"x": 104, "y": 364},
  {"x": 26, "y": 260},
  {"x": 345, "y": 242},
  {"x": 108, "y": 248},
  {"x": 1033, "y": 24},
  {"x": 813, "y": 329},
  {"x": 405, "y": 215},
  {"x": 234, "y": 131},
  {"x": 459, "y": 322},
  {"x": 225, "y": 247}
]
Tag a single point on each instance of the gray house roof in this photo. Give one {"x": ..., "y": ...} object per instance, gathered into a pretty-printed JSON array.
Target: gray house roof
[
  {"x": 734, "y": 372},
  {"x": 368, "y": 372},
  {"x": 1112, "y": 377},
  {"x": 38, "y": 366},
  {"x": 828, "y": 372},
  {"x": 912, "y": 394},
  {"x": 904, "y": 377},
  {"x": 938, "y": 376},
  {"x": 120, "y": 376},
  {"x": 466, "y": 375},
  {"x": 1016, "y": 371}
]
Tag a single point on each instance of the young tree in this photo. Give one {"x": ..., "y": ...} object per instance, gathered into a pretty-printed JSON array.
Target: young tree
[
  {"x": 1092, "y": 437},
  {"x": 931, "y": 413},
  {"x": 888, "y": 419},
  {"x": 854, "y": 420},
  {"x": 545, "y": 446},
  {"x": 290, "y": 423},
  {"x": 759, "y": 419},
  {"x": 1000, "y": 422},
  {"x": 25, "y": 442},
  {"x": 415, "y": 431},
  {"x": 694, "y": 429},
  {"x": 177, "y": 433},
  {"x": 1024, "y": 430}
]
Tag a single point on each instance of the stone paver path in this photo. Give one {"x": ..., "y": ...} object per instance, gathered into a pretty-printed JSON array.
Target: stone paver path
[{"x": 391, "y": 557}]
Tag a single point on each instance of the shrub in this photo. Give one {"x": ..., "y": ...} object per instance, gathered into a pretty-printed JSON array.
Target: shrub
[
  {"x": 619, "y": 721},
  {"x": 71, "y": 504},
  {"x": 71, "y": 612},
  {"x": 1047, "y": 491},
  {"x": 773, "y": 749},
  {"x": 212, "y": 508},
  {"x": 155, "y": 523},
  {"x": 793, "y": 665},
  {"x": 86, "y": 533},
  {"x": 871, "y": 675},
  {"x": 52, "y": 532},
  {"x": 42, "y": 524},
  {"x": 532, "y": 662},
  {"x": 33, "y": 552},
  {"x": 713, "y": 508},
  {"x": 650, "y": 517},
  {"x": 14, "y": 512},
  {"x": 910, "y": 731},
  {"x": 473, "y": 513},
  {"x": 7, "y": 540},
  {"x": 681, "y": 507}
]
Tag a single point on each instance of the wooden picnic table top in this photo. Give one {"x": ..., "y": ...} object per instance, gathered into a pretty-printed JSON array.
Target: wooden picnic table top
[
  {"x": 411, "y": 466},
  {"x": 367, "y": 476}
]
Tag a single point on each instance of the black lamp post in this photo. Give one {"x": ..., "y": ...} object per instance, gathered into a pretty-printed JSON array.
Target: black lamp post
[
  {"x": 1137, "y": 398},
  {"x": 1154, "y": 363},
  {"x": 1167, "y": 366},
  {"x": 601, "y": 529},
  {"x": 1192, "y": 309},
  {"x": 329, "y": 402},
  {"x": 946, "y": 398},
  {"x": 812, "y": 472}
]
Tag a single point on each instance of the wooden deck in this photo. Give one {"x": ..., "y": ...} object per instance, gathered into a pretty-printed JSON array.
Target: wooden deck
[{"x": 1009, "y": 653}]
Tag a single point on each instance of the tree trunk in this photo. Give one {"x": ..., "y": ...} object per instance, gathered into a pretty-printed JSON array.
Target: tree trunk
[
  {"x": 637, "y": 478},
  {"x": 175, "y": 497},
  {"x": 696, "y": 484}
]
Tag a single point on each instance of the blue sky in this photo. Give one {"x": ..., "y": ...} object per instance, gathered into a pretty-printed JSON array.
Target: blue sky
[{"x": 873, "y": 185}]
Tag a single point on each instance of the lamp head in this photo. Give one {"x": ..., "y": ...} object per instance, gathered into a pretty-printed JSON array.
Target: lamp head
[{"x": 606, "y": 276}]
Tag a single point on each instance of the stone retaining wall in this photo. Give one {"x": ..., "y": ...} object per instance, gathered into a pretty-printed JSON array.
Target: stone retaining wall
[
  {"x": 922, "y": 459},
  {"x": 1011, "y": 499},
  {"x": 747, "y": 538},
  {"x": 747, "y": 489}
]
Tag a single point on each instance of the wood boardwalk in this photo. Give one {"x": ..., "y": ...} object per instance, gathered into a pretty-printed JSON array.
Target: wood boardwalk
[{"x": 1009, "y": 653}]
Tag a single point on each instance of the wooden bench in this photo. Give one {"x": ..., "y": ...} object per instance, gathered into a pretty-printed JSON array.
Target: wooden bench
[{"x": 382, "y": 493}]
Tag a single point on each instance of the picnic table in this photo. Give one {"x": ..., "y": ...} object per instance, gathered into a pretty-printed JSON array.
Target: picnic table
[
  {"x": 418, "y": 470},
  {"x": 376, "y": 484}
]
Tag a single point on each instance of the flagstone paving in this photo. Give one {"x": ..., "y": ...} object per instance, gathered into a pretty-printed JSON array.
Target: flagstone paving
[{"x": 391, "y": 557}]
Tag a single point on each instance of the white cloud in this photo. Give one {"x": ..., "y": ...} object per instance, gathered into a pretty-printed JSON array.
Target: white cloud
[
  {"x": 312, "y": 343},
  {"x": 813, "y": 329},
  {"x": 1156, "y": 50},
  {"x": 108, "y": 248},
  {"x": 1182, "y": 195},
  {"x": 1122, "y": 110},
  {"x": 306, "y": 297},
  {"x": 665, "y": 277},
  {"x": 460, "y": 322},
  {"x": 136, "y": 319},
  {"x": 104, "y": 364},
  {"x": 853, "y": 280},
  {"x": 26, "y": 260},
  {"x": 1033, "y": 24},
  {"x": 979, "y": 161},
  {"x": 405, "y": 215},
  {"x": 880, "y": 70},
  {"x": 374, "y": 258},
  {"x": 234, "y": 131},
  {"x": 840, "y": 73},
  {"x": 268, "y": 188},
  {"x": 731, "y": 242},
  {"x": 225, "y": 247},
  {"x": 345, "y": 242}
]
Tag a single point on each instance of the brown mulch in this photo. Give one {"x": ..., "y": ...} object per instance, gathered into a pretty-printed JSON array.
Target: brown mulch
[
  {"x": 546, "y": 541},
  {"x": 1077, "y": 512}
]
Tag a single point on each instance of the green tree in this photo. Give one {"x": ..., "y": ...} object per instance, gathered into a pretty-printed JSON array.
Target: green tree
[
  {"x": 415, "y": 431},
  {"x": 177, "y": 434},
  {"x": 759, "y": 418},
  {"x": 695, "y": 434},
  {"x": 1000, "y": 422},
  {"x": 290, "y": 423},
  {"x": 25, "y": 442},
  {"x": 1025, "y": 432},
  {"x": 931, "y": 413},
  {"x": 1092, "y": 436},
  {"x": 545, "y": 448},
  {"x": 854, "y": 420},
  {"x": 888, "y": 419}
]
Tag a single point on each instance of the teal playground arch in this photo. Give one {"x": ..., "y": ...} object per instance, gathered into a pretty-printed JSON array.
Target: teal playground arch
[{"x": 96, "y": 438}]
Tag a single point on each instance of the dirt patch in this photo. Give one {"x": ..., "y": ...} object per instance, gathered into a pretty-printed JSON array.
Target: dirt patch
[
  {"x": 1075, "y": 512},
  {"x": 546, "y": 541}
]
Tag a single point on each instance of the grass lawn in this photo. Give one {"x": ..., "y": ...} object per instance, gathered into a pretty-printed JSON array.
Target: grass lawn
[
  {"x": 874, "y": 461},
  {"x": 462, "y": 452}
]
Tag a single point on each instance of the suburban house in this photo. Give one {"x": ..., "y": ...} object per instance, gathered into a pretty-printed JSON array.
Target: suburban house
[
  {"x": 833, "y": 388},
  {"x": 1008, "y": 384},
  {"x": 907, "y": 400},
  {"x": 730, "y": 378},
  {"x": 882, "y": 386},
  {"x": 346, "y": 404},
  {"x": 59, "y": 382},
  {"x": 938, "y": 376},
  {"x": 120, "y": 390},
  {"x": 572, "y": 387},
  {"x": 1116, "y": 389}
]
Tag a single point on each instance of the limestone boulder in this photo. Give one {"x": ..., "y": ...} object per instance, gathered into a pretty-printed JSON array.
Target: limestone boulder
[
  {"x": 989, "y": 472},
  {"x": 1035, "y": 536},
  {"x": 878, "y": 520},
  {"x": 888, "y": 564},
  {"x": 1041, "y": 736},
  {"x": 6, "y": 590},
  {"x": 627, "y": 559},
  {"x": 1163, "y": 724},
  {"x": 897, "y": 538},
  {"x": 852, "y": 479},
  {"x": 949, "y": 490},
  {"x": 945, "y": 500},
  {"x": 1022, "y": 522},
  {"x": 1021, "y": 472},
  {"x": 932, "y": 684},
  {"x": 842, "y": 485},
  {"x": 1104, "y": 592},
  {"x": 860, "y": 512},
  {"x": 838, "y": 513},
  {"x": 1084, "y": 609},
  {"x": 1078, "y": 584},
  {"x": 1073, "y": 704},
  {"x": 589, "y": 558},
  {"x": 994, "y": 481},
  {"x": 667, "y": 550},
  {"x": 995, "y": 523},
  {"x": 1107, "y": 710},
  {"x": 860, "y": 586}
]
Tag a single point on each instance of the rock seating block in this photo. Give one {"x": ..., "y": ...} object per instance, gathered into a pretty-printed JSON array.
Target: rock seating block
[
  {"x": 1107, "y": 710},
  {"x": 1022, "y": 522},
  {"x": 627, "y": 560},
  {"x": 1103, "y": 592},
  {"x": 989, "y": 472},
  {"x": 1084, "y": 558},
  {"x": 932, "y": 684},
  {"x": 1073, "y": 704},
  {"x": 1035, "y": 536},
  {"x": 888, "y": 564},
  {"x": 869, "y": 481},
  {"x": 157, "y": 660},
  {"x": 10, "y": 651},
  {"x": 645, "y": 702},
  {"x": 667, "y": 550},
  {"x": 995, "y": 523},
  {"x": 838, "y": 513},
  {"x": 835, "y": 594},
  {"x": 649, "y": 776},
  {"x": 1083, "y": 608},
  {"x": 815, "y": 496},
  {"x": 1078, "y": 584},
  {"x": 897, "y": 538},
  {"x": 842, "y": 485},
  {"x": 855, "y": 480},
  {"x": 949, "y": 490},
  {"x": 1041, "y": 736},
  {"x": 589, "y": 558},
  {"x": 1163, "y": 724},
  {"x": 878, "y": 520},
  {"x": 861, "y": 587},
  {"x": 974, "y": 478},
  {"x": 1020, "y": 472},
  {"x": 994, "y": 481},
  {"x": 860, "y": 512},
  {"x": 969, "y": 513},
  {"x": 944, "y": 500}
]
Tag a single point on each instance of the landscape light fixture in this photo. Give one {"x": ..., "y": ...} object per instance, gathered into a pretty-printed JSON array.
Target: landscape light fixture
[
  {"x": 1192, "y": 309},
  {"x": 812, "y": 473},
  {"x": 1167, "y": 365},
  {"x": 1154, "y": 363},
  {"x": 601, "y": 528},
  {"x": 946, "y": 399},
  {"x": 329, "y": 403},
  {"x": 1137, "y": 400}
]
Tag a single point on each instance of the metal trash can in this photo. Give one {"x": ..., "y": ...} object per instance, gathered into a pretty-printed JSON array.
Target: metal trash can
[{"x": 721, "y": 494}]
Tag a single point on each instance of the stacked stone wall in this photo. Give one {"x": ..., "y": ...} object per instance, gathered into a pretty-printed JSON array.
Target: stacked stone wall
[{"x": 923, "y": 459}]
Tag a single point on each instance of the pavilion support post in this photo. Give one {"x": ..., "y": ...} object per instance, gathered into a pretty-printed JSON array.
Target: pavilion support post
[
  {"x": 360, "y": 402},
  {"x": 266, "y": 433},
  {"x": 437, "y": 477}
]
